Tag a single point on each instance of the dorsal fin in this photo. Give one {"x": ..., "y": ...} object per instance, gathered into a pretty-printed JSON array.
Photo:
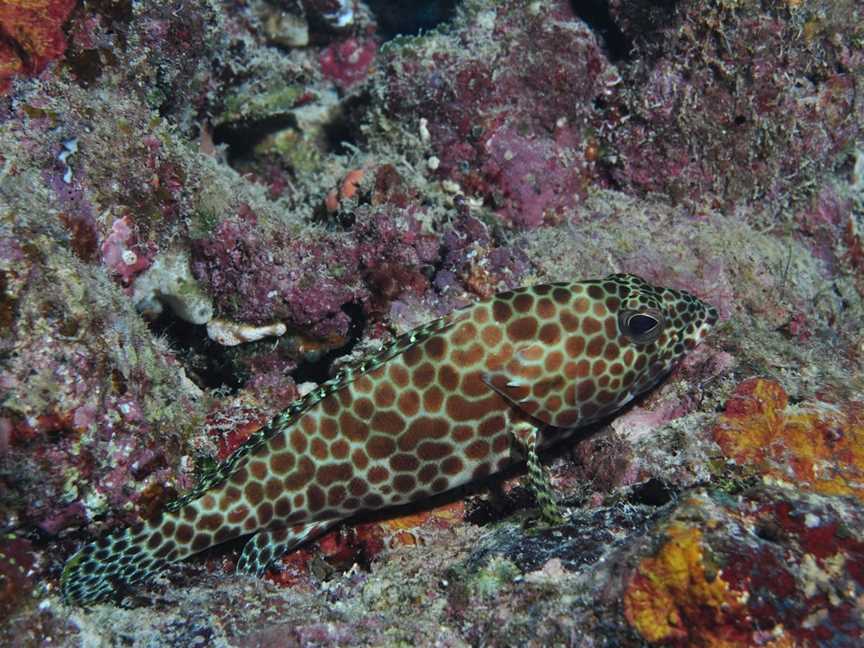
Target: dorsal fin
[{"x": 287, "y": 417}]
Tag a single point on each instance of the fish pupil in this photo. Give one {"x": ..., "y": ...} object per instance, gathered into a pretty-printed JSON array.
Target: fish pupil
[{"x": 640, "y": 325}]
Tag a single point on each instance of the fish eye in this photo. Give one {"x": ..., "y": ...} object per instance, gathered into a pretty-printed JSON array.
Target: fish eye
[{"x": 642, "y": 327}]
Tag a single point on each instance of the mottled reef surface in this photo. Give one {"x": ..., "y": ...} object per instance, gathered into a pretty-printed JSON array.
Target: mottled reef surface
[{"x": 206, "y": 206}]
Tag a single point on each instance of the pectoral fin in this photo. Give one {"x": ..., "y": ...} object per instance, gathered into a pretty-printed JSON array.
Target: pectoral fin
[
  {"x": 524, "y": 381},
  {"x": 526, "y": 436}
]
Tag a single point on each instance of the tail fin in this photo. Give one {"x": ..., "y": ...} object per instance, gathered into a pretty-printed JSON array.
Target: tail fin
[{"x": 104, "y": 568}]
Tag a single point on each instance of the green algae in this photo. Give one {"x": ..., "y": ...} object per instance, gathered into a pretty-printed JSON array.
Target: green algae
[{"x": 244, "y": 105}]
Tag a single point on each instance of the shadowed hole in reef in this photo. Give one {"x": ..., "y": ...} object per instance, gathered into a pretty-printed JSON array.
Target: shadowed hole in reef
[
  {"x": 342, "y": 133},
  {"x": 653, "y": 492},
  {"x": 319, "y": 369},
  {"x": 394, "y": 18},
  {"x": 596, "y": 14},
  {"x": 242, "y": 137},
  {"x": 484, "y": 510},
  {"x": 400, "y": 18},
  {"x": 770, "y": 531},
  {"x": 207, "y": 363},
  {"x": 213, "y": 366}
]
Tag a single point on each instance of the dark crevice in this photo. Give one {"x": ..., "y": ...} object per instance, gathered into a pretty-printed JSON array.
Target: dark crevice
[
  {"x": 632, "y": 30},
  {"x": 343, "y": 129},
  {"x": 213, "y": 366},
  {"x": 319, "y": 370},
  {"x": 653, "y": 492},
  {"x": 241, "y": 138},
  {"x": 206, "y": 362},
  {"x": 769, "y": 531},
  {"x": 17, "y": 50},
  {"x": 483, "y": 511},
  {"x": 596, "y": 14},
  {"x": 398, "y": 18}
]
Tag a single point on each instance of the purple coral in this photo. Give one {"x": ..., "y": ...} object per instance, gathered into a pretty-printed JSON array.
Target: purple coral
[
  {"x": 123, "y": 253},
  {"x": 512, "y": 124},
  {"x": 303, "y": 283},
  {"x": 347, "y": 63}
]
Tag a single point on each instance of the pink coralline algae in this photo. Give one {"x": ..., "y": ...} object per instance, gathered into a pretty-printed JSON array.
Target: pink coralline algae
[
  {"x": 16, "y": 572},
  {"x": 393, "y": 252},
  {"x": 83, "y": 392},
  {"x": 348, "y": 62},
  {"x": 770, "y": 100},
  {"x": 306, "y": 282},
  {"x": 302, "y": 283},
  {"x": 233, "y": 420},
  {"x": 821, "y": 224},
  {"x": 472, "y": 262},
  {"x": 534, "y": 176},
  {"x": 108, "y": 466},
  {"x": 123, "y": 253},
  {"x": 512, "y": 124},
  {"x": 690, "y": 106}
]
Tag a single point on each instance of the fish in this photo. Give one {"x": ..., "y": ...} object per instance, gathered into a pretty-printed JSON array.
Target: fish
[{"x": 450, "y": 402}]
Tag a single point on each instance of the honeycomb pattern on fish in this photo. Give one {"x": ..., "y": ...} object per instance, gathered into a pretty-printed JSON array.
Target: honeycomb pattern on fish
[{"x": 451, "y": 402}]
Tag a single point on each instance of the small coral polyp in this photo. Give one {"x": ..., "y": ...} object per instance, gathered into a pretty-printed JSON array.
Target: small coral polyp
[{"x": 122, "y": 252}]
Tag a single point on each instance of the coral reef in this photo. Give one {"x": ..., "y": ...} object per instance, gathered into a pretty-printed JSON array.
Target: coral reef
[
  {"x": 168, "y": 281},
  {"x": 206, "y": 208},
  {"x": 511, "y": 130},
  {"x": 818, "y": 446},
  {"x": 785, "y": 130},
  {"x": 791, "y": 585}
]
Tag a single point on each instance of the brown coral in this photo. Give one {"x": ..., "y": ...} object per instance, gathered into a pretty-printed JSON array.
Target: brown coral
[
  {"x": 677, "y": 597},
  {"x": 31, "y": 36},
  {"x": 818, "y": 446}
]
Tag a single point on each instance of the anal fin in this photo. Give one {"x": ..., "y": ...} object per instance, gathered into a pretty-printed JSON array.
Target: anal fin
[
  {"x": 524, "y": 381},
  {"x": 269, "y": 544}
]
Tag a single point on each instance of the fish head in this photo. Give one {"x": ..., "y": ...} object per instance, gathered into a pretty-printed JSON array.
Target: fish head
[{"x": 659, "y": 325}]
